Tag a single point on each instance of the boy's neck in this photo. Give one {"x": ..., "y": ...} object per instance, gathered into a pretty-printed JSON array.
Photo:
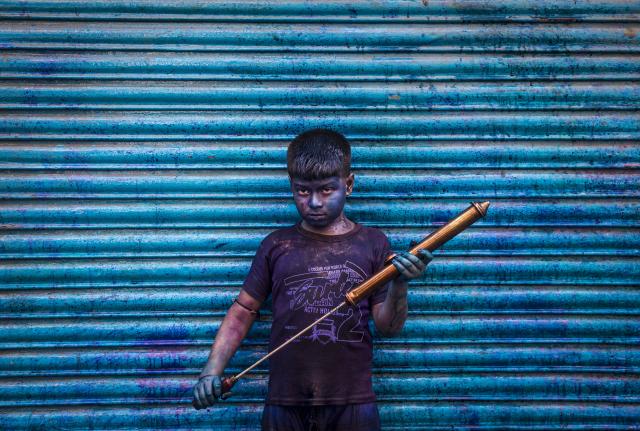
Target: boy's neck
[{"x": 339, "y": 226}]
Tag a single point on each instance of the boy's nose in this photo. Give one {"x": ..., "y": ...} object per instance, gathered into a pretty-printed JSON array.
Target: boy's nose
[{"x": 315, "y": 201}]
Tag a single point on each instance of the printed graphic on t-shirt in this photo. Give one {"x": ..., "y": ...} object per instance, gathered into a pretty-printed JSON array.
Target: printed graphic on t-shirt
[{"x": 317, "y": 291}]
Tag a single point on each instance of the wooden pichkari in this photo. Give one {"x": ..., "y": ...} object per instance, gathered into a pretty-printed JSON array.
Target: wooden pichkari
[{"x": 432, "y": 242}]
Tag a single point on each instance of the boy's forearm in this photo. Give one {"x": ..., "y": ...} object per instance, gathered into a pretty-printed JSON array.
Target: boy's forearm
[
  {"x": 233, "y": 329},
  {"x": 394, "y": 309}
]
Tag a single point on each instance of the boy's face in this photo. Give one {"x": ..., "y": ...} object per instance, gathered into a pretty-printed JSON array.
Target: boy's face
[{"x": 320, "y": 202}]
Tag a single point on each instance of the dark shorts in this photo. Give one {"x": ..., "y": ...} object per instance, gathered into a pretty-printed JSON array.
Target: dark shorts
[{"x": 345, "y": 417}]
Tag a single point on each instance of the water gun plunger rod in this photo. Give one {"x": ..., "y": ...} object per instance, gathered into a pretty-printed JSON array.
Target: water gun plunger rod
[{"x": 432, "y": 242}]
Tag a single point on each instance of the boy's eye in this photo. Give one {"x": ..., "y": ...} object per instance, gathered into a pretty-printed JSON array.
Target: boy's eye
[
  {"x": 303, "y": 191},
  {"x": 328, "y": 189}
]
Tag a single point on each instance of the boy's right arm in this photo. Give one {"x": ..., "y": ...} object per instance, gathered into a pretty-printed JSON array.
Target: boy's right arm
[{"x": 234, "y": 328}]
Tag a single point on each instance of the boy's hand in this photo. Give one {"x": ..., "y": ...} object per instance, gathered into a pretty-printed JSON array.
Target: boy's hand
[
  {"x": 411, "y": 266},
  {"x": 207, "y": 391}
]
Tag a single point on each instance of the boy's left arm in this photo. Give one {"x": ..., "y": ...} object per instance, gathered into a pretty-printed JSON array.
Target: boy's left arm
[{"x": 389, "y": 316}]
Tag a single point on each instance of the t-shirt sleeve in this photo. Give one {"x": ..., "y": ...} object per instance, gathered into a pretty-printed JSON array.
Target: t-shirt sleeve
[
  {"x": 382, "y": 249},
  {"x": 258, "y": 281}
]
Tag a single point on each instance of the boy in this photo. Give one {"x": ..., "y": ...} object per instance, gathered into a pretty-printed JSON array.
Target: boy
[{"x": 322, "y": 380}]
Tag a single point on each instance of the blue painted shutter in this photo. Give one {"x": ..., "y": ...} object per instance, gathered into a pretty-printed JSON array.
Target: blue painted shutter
[{"x": 142, "y": 151}]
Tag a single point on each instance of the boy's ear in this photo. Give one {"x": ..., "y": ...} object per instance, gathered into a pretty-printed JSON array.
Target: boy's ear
[{"x": 350, "y": 180}]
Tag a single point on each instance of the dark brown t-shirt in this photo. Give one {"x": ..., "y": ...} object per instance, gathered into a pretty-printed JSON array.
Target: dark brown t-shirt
[{"x": 307, "y": 274}]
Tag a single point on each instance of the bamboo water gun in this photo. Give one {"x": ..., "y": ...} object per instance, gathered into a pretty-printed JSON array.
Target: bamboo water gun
[{"x": 432, "y": 242}]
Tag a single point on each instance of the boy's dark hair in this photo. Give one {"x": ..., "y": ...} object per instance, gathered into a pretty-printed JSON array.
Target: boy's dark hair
[{"x": 317, "y": 154}]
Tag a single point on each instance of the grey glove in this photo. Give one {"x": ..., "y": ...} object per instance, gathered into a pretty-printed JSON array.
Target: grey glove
[
  {"x": 410, "y": 266},
  {"x": 207, "y": 391}
]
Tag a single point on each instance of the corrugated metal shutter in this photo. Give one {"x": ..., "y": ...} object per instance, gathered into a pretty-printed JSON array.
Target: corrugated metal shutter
[{"x": 142, "y": 156}]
